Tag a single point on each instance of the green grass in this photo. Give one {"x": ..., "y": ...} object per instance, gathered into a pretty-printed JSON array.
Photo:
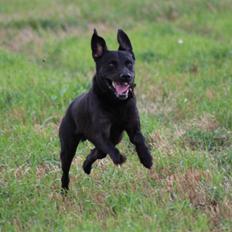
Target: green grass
[{"x": 184, "y": 77}]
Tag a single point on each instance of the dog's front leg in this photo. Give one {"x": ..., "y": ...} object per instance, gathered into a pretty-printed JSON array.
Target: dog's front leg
[
  {"x": 136, "y": 137},
  {"x": 106, "y": 146}
]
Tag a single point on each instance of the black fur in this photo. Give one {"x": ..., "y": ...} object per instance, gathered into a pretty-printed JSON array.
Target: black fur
[{"x": 105, "y": 111}]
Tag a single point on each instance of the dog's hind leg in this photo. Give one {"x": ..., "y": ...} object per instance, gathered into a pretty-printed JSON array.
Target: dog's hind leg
[
  {"x": 69, "y": 141},
  {"x": 91, "y": 158}
]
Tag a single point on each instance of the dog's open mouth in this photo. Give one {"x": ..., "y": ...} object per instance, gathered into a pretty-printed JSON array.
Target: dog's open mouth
[{"x": 121, "y": 89}]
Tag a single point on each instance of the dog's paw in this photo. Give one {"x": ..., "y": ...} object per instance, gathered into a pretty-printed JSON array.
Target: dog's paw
[
  {"x": 87, "y": 167},
  {"x": 120, "y": 160},
  {"x": 147, "y": 162},
  {"x": 64, "y": 192}
]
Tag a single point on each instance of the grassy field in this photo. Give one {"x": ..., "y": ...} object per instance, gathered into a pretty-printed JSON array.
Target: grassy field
[{"x": 184, "y": 91}]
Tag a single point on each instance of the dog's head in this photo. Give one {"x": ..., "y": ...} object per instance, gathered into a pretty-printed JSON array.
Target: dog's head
[{"x": 114, "y": 69}]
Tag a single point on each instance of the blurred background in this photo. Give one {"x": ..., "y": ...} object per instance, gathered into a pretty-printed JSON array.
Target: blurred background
[{"x": 183, "y": 55}]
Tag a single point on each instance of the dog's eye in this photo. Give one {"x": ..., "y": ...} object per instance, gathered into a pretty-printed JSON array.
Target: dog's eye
[
  {"x": 128, "y": 63},
  {"x": 113, "y": 64}
]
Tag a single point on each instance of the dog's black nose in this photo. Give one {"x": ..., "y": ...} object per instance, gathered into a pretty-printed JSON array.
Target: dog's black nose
[{"x": 125, "y": 77}]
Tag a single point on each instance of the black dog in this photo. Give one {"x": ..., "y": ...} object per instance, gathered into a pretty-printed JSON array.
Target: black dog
[{"x": 102, "y": 114}]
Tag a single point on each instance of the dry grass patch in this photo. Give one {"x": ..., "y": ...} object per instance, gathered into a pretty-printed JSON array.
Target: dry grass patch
[
  {"x": 194, "y": 185},
  {"x": 18, "y": 114},
  {"x": 203, "y": 133},
  {"x": 162, "y": 142},
  {"x": 44, "y": 169},
  {"x": 188, "y": 186},
  {"x": 21, "y": 171},
  {"x": 207, "y": 122}
]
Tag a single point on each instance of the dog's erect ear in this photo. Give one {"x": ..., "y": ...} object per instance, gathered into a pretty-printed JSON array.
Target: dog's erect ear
[
  {"x": 98, "y": 45},
  {"x": 124, "y": 42}
]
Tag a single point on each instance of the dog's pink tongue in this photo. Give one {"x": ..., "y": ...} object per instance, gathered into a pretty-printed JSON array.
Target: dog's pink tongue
[{"x": 120, "y": 88}]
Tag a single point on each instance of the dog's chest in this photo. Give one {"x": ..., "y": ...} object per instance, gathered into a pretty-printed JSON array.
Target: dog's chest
[{"x": 118, "y": 116}]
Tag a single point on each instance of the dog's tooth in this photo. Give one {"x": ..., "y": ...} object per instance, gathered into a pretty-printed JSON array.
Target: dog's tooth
[{"x": 113, "y": 84}]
